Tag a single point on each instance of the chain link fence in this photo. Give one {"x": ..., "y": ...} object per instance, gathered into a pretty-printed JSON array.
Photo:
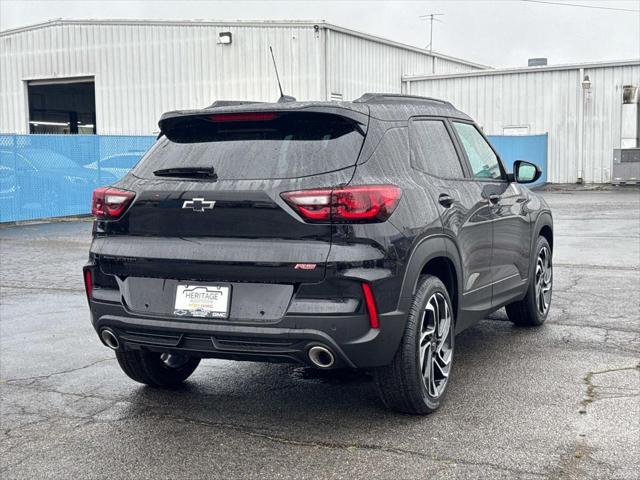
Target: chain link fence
[{"x": 44, "y": 176}]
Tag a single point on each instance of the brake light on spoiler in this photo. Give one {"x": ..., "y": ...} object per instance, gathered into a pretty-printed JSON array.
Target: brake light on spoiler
[
  {"x": 243, "y": 117},
  {"x": 110, "y": 203},
  {"x": 353, "y": 204}
]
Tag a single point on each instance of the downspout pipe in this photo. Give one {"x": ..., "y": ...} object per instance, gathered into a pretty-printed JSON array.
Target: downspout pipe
[
  {"x": 581, "y": 165},
  {"x": 327, "y": 66}
]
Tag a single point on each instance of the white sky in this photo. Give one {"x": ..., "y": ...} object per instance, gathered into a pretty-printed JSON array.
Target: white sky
[{"x": 493, "y": 32}]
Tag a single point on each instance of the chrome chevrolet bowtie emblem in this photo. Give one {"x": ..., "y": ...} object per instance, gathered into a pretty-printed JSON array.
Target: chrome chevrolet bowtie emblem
[{"x": 199, "y": 204}]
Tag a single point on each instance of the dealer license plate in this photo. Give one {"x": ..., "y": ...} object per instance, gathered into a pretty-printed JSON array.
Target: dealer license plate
[{"x": 208, "y": 301}]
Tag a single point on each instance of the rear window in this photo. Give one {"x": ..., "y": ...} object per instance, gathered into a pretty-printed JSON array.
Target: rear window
[{"x": 267, "y": 146}]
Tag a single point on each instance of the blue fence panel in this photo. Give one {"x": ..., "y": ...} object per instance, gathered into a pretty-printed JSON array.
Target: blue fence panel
[
  {"x": 532, "y": 148},
  {"x": 45, "y": 176}
]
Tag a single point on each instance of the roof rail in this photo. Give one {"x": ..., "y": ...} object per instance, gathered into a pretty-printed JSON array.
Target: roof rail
[
  {"x": 398, "y": 98},
  {"x": 230, "y": 103}
]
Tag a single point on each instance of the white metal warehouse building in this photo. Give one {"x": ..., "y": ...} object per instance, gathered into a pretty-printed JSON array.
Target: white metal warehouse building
[
  {"x": 581, "y": 107},
  {"x": 132, "y": 71},
  {"x": 116, "y": 77}
]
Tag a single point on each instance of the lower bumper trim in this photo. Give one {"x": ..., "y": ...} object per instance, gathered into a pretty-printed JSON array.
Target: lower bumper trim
[
  {"x": 230, "y": 347},
  {"x": 350, "y": 338}
]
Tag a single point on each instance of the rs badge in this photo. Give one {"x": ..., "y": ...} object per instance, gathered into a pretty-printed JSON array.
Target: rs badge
[{"x": 305, "y": 266}]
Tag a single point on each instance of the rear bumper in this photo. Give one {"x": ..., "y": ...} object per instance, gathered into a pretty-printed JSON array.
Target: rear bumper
[{"x": 353, "y": 342}]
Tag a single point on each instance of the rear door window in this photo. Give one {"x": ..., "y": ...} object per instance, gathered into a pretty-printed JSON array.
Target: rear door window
[
  {"x": 432, "y": 149},
  {"x": 258, "y": 146}
]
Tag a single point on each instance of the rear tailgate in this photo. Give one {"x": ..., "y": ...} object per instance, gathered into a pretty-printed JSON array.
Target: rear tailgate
[
  {"x": 233, "y": 227},
  {"x": 249, "y": 235}
]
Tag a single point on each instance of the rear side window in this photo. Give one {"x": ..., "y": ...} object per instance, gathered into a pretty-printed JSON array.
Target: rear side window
[
  {"x": 484, "y": 163},
  {"x": 432, "y": 149},
  {"x": 266, "y": 145}
]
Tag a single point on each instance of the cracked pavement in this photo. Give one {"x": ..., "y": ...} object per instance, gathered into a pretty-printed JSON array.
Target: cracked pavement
[{"x": 561, "y": 401}]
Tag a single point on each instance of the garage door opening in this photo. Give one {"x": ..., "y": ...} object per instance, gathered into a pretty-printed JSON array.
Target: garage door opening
[{"x": 63, "y": 106}]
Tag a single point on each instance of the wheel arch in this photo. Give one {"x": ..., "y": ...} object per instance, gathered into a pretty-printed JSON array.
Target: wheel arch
[
  {"x": 438, "y": 256},
  {"x": 543, "y": 227}
]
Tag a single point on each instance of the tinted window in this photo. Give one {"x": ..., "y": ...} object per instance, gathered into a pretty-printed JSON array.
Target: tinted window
[
  {"x": 484, "y": 163},
  {"x": 432, "y": 150},
  {"x": 287, "y": 146}
]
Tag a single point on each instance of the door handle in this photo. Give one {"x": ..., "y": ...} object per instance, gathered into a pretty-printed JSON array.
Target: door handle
[
  {"x": 493, "y": 198},
  {"x": 445, "y": 200}
]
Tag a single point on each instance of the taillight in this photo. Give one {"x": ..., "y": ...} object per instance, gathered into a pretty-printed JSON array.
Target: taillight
[
  {"x": 109, "y": 203},
  {"x": 356, "y": 204},
  {"x": 313, "y": 205}
]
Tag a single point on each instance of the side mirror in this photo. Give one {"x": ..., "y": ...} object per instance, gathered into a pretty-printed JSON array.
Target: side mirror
[{"x": 525, "y": 172}]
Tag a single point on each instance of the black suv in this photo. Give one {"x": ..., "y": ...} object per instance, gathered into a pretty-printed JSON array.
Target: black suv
[{"x": 362, "y": 234}]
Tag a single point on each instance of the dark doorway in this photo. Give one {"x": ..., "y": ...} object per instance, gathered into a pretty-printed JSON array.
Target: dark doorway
[{"x": 62, "y": 106}]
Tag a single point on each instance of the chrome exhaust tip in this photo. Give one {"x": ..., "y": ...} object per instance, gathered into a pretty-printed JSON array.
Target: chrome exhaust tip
[
  {"x": 321, "y": 356},
  {"x": 109, "y": 339}
]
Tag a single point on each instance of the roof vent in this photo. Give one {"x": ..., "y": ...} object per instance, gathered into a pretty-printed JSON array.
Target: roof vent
[{"x": 537, "y": 62}]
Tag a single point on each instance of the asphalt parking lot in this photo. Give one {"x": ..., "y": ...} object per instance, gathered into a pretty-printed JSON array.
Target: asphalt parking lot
[{"x": 561, "y": 401}]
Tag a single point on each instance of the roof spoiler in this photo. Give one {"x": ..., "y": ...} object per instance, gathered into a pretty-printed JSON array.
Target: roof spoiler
[
  {"x": 231, "y": 103},
  {"x": 175, "y": 124},
  {"x": 398, "y": 98}
]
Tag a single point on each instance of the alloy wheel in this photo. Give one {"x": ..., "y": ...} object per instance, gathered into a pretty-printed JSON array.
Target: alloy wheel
[
  {"x": 543, "y": 280},
  {"x": 436, "y": 344}
]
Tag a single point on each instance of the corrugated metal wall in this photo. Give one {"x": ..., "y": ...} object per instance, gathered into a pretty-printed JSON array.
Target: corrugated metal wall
[
  {"x": 602, "y": 118},
  {"x": 357, "y": 65},
  {"x": 547, "y": 101},
  {"x": 142, "y": 69}
]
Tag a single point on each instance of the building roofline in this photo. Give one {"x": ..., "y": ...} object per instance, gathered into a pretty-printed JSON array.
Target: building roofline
[
  {"x": 392, "y": 43},
  {"x": 249, "y": 23},
  {"x": 506, "y": 71},
  {"x": 153, "y": 22}
]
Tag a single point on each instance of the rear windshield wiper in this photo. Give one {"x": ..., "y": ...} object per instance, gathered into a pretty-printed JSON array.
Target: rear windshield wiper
[{"x": 187, "y": 172}]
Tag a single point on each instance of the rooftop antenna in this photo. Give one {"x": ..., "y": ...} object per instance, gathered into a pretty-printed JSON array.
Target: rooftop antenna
[
  {"x": 283, "y": 98},
  {"x": 432, "y": 18}
]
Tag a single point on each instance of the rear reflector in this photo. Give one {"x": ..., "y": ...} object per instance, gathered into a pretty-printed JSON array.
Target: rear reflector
[
  {"x": 110, "y": 203},
  {"x": 88, "y": 282},
  {"x": 243, "y": 117},
  {"x": 371, "y": 306},
  {"x": 356, "y": 204}
]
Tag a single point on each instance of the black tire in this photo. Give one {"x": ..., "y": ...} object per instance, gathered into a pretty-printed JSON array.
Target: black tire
[
  {"x": 402, "y": 385},
  {"x": 529, "y": 311},
  {"x": 154, "y": 369}
]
